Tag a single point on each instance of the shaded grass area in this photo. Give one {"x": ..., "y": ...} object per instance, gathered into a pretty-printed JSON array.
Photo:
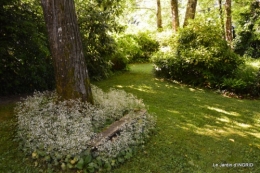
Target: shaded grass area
[
  {"x": 12, "y": 159},
  {"x": 196, "y": 129}
]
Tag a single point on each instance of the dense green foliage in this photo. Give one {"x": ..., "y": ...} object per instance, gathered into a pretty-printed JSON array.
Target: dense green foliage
[
  {"x": 96, "y": 20},
  {"x": 199, "y": 56},
  {"x": 132, "y": 48},
  {"x": 25, "y": 63},
  {"x": 247, "y": 41},
  {"x": 246, "y": 79},
  {"x": 148, "y": 46}
]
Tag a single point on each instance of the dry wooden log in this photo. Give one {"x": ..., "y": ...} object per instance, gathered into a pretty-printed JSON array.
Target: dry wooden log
[{"x": 113, "y": 129}]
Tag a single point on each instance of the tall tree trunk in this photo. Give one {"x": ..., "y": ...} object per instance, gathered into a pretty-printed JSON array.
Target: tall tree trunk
[
  {"x": 221, "y": 16},
  {"x": 175, "y": 15},
  {"x": 159, "y": 14},
  {"x": 228, "y": 22},
  {"x": 190, "y": 11},
  {"x": 71, "y": 75}
]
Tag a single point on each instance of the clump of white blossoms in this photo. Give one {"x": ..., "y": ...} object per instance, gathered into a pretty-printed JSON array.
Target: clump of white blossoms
[{"x": 61, "y": 128}]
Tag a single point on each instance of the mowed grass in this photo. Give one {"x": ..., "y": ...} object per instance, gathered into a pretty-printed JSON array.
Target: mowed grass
[
  {"x": 12, "y": 159},
  {"x": 196, "y": 129}
]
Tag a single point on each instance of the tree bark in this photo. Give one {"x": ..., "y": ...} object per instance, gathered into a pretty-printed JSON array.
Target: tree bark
[
  {"x": 228, "y": 21},
  {"x": 71, "y": 75},
  {"x": 190, "y": 11},
  {"x": 221, "y": 16},
  {"x": 159, "y": 14},
  {"x": 175, "y": 15}
]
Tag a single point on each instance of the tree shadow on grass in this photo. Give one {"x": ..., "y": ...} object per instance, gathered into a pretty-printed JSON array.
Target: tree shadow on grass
[{"x": 197, "y": 130}]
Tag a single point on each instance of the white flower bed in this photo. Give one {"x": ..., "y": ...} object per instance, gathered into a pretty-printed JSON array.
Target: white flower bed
[{"x": 60, "y": 131}]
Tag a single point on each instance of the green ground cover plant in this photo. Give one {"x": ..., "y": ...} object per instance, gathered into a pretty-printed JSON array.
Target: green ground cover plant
[{"x": 196, "y": 129}]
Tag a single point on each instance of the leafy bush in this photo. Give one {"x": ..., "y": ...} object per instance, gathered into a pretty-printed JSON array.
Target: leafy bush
[
  {"x": 148, "y": 46},
  {"x": 201, "y": 57},
  {"x": 99, "y": 46},
  {"x": 246, "y": 79},
  {"x": 127, "y": 49},
  {"x": 119, "y": 62},
  {"x": 136, "y": 48},
  {"x": 60, "y": 132},
  {"x": 25, "y": 63}
]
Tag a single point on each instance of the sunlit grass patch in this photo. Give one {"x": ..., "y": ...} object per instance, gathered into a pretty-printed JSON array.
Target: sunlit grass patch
[{"x": 196, "y": 128}]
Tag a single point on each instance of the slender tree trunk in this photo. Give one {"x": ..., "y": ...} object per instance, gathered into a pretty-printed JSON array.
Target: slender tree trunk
[
  {"x": 228, "y": 22},
  {"x": 175, "y": 15},
  {"x": 71, "y": 75},
  {"x": 190, "y": 11},
  {"x": 159, "y": 15},
  {"x": 221, "y": 16}
]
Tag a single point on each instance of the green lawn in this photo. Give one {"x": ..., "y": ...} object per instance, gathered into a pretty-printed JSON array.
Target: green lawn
[
  {"x": 12, "y": 160},
  {"x": 196, "y": 129}
]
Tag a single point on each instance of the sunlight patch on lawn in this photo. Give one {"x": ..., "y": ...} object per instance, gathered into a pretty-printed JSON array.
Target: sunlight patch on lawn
[
  {"x": 243, "y": 125},
  {"x": 208, "y": 130},
  {"x": 142, "y": 88},
  {"x": 223, "y": 111},
  {"x": 232, "y": 132},
  {"x": 195, "y": 89},
  {"x": 169, "y": 86},
  {"x": 165, "y": 80},
  {"x": 173, "y": 111},
  {"x": 220, "y": 132},
  {"x": 119, "y": 86},
  {"x": 257, "y": 135},
  {"x": 223, "y": 119},
  {"x": 217, "y": 132},
  {"x": 192, "y": 89}
]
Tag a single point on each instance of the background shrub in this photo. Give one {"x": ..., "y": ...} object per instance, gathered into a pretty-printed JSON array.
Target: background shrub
[
  {"x": 200, "y": 56},
  {"x": 136, "y": 47},
  {"x": 127, "y": 49},
  {"x": 246, "y": 79},
  {"x": 25, "y": 63},
  {"x": 99, "y": 46},
  {"x": 247, "y": 41},
  {"x": 148, "y": 46}
]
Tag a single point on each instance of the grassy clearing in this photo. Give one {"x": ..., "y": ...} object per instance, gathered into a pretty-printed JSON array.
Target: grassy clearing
[{"x": 195, "y": 129}]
